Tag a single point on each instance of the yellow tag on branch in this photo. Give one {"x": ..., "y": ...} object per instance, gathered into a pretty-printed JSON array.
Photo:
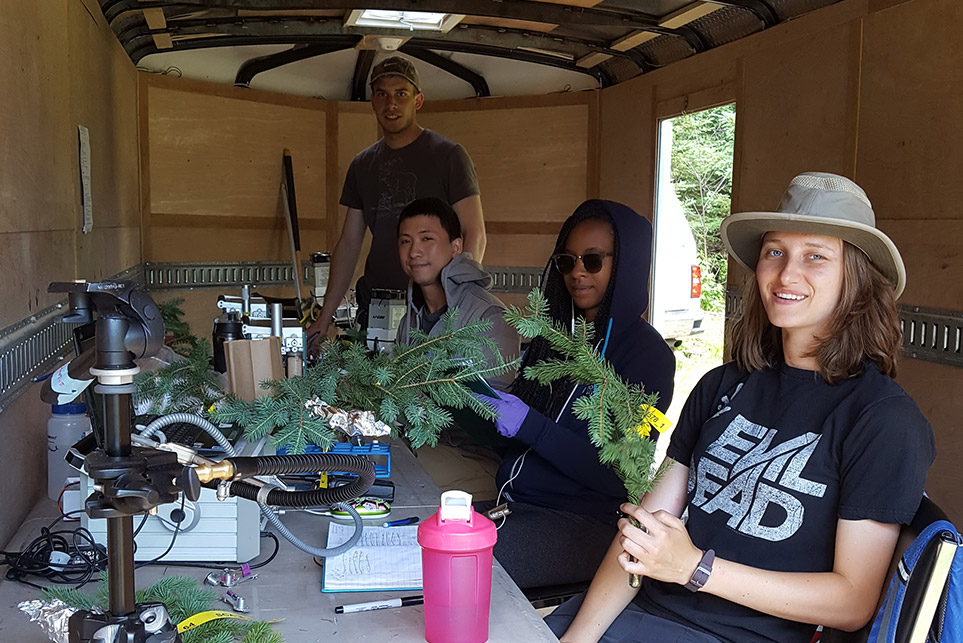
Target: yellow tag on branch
[
  {"x": 654, "y": 419},
  {"x": 200, "y": 618}
]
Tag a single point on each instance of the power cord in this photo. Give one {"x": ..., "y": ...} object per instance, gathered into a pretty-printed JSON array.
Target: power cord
[
  {"x": 223, "y": 564},
  {"x": 177, "y": 516},
  {"x": 63, "y": 557},
  {"x": 73, "y": 557}
]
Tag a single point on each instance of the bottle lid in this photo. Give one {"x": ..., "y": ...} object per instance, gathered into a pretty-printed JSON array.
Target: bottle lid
[
  {"x": 69, "y": 409},
  {"x": 457, "y": 527},
  {"x": 455, "y": 505}
]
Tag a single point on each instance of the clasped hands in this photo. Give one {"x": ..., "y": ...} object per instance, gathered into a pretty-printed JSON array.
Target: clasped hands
[{"x": 661, "y": 547}]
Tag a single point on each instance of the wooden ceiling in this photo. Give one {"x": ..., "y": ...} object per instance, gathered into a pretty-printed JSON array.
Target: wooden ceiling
[{"x": 610, "y": 40}]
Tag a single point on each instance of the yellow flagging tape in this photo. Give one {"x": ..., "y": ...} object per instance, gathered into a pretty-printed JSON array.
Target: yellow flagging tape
[{"x": 200, "y": 618}]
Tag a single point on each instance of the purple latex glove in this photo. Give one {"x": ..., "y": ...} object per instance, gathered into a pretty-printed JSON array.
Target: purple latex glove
[{"x": 511, "y": 412}]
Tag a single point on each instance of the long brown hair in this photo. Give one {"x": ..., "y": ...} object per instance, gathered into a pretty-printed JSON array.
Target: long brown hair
[{"x": 864, "y": 326}]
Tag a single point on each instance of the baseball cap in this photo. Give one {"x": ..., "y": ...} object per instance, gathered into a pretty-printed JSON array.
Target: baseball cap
[{"x": 396, "y": 66}]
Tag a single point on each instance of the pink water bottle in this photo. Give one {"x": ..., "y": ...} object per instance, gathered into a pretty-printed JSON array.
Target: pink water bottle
[{"x": 456, "y": 561}]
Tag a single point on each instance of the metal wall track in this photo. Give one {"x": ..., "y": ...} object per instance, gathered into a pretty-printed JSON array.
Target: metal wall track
[
  {"x": 29, "y": 348},
  {"x": 515, "y": 280},
  {"x": 170, "y": 276},
  {"x": 932, "y": 335},
  {"x": 34, "y": 345}
]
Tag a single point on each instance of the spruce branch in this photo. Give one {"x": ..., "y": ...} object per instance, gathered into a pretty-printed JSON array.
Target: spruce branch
[
  {"x": 410, "y": 388},
  {"x": 183, "y": 598},
  {"x": 185, "y": 386},
  {"x": 620, "y": 416}
]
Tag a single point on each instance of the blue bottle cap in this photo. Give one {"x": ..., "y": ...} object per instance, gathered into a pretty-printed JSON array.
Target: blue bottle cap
[{"x": 69, "y": 409}]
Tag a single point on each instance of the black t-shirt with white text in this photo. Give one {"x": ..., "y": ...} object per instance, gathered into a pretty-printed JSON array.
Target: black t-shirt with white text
[{"x": 775, "y": 458}]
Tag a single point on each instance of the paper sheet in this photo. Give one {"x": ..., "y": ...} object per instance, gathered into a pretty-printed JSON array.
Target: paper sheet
[{"x": 386, "y": 558}]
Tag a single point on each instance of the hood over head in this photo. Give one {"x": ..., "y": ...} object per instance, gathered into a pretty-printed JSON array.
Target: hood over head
[{"x": 627, "y": 296}]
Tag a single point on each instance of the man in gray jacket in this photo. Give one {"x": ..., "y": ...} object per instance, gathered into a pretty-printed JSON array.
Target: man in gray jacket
[{"x": 442, "y": 277}]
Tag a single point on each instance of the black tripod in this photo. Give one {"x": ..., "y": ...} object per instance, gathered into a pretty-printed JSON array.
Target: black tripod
[{"x": 127, "y": 480}]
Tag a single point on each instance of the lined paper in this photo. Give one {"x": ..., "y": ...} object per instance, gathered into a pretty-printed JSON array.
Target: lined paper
[{"x": 386, "y": 558}]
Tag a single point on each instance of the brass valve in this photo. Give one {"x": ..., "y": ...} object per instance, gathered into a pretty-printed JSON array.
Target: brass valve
[{"x": 223, "y": 470}]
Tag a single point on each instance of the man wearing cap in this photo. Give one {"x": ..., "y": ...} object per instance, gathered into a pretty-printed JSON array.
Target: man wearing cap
[{"x": 408, "y": 163}]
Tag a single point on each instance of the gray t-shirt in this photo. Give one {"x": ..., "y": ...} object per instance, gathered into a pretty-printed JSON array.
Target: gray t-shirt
[{"x": 381, "y": 181}]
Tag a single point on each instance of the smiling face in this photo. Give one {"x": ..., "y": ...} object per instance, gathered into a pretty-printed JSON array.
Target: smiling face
[
  {"x": 800, "y": 279},
  {"x": 425, "y": 248},
  {"x": 588, "y": 288},
  {"x": 395, "y": 101}
]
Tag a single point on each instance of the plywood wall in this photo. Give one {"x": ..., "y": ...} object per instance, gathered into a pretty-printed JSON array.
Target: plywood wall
[
  {"x": 61, "y": 67},
  {"x": 910, "y": 142},
  {"x": 871, "y": 90},
  {"x": 534, "y": 163},
  {"x": 212, "y": 171}
]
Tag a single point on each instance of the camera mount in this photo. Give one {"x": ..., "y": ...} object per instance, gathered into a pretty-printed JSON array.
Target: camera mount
[{"x": 127, "y": 480}]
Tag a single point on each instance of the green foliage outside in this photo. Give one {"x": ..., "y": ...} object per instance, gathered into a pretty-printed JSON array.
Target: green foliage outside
[{"x": 702, "y": 153}]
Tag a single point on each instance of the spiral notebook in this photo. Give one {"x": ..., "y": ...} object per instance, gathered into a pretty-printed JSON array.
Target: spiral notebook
[{"x": 385, "y": 559}]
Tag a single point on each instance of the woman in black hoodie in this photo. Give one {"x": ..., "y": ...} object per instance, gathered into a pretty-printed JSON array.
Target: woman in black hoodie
[{"x": 563, "y": 501}]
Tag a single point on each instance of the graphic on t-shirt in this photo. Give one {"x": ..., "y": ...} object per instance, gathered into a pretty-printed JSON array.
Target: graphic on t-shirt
[
  {"x": 398, "y": 188},
  {"x": 755, "y": 483},
  {"x": 726, "y": 401}
]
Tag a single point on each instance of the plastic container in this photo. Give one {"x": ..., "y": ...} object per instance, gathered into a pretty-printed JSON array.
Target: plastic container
[
  {"x": 456, "y": 560},
  {"x": 68, "y": 423}
]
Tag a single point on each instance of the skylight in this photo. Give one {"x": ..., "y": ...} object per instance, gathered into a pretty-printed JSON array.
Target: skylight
[{"x": 411, "y": 20}]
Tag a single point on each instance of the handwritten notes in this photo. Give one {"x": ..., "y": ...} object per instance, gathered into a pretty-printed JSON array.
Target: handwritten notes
[{"x": 384, "y": 559}]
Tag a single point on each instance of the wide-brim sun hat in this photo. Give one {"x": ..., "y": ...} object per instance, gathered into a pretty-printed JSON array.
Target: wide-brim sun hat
[{"x": 823, "y": 204}]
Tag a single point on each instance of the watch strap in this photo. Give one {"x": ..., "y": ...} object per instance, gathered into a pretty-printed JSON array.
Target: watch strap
[{"x": 702, "y": 571}]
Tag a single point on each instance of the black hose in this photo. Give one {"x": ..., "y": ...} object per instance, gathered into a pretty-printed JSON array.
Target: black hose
[{"x": 247, "y": 467}]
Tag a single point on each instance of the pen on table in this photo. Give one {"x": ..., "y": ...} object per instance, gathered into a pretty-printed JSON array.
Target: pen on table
[
  {"x": 403, "y": 521},
  {"x": 379, "y": 605}
]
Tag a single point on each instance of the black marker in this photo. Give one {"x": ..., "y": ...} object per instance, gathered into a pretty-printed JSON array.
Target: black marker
[
  {"x": 403, "y": 521},
  {"x": 379, "y": 605}
]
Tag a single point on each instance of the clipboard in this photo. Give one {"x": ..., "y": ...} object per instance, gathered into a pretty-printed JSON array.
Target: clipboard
[{"x": 480, "y": 386}]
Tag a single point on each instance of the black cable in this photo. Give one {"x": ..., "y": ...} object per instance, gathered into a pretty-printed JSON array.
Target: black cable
[
  {"x": 85, "y": 557},
  {"x": 223, "y": 564},
  {"x": 60, "y": 499},
  {"x": 143, "y": 521},
  {"x": 177, "y": 530}
]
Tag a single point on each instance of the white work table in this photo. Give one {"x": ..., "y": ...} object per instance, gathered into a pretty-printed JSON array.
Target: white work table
[{"x": 289, "y": 587}]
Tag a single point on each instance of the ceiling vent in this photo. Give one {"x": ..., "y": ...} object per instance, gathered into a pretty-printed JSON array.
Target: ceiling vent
[{"x": 410, "y": 20}]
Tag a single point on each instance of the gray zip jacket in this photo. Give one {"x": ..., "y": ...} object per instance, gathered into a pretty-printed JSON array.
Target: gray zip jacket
[{"x": 467, "y": 288}]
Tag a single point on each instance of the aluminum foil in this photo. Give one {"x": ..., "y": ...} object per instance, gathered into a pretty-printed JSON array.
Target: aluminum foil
[
  {"x": 51, "y": 616},
  {"x": 351, "y": 423}
]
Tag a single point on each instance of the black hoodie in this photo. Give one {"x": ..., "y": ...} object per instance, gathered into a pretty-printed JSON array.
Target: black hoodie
[{"x": 561, "y": 469}]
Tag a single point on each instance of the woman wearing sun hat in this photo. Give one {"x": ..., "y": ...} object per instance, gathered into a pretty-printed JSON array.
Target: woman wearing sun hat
[{"x": 796, "y": 462}]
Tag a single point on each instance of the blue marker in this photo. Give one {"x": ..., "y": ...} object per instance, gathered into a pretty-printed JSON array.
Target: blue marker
[{"x": 403, "y": 521}]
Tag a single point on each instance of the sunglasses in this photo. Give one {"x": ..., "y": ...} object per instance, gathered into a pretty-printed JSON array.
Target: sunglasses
[{"x": 591, "y": 261}]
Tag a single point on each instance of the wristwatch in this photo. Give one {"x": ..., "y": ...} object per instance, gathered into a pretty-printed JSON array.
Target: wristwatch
[{"x": 701, "y": 573}]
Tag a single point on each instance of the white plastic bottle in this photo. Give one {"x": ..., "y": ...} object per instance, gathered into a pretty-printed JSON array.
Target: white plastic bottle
[{"x": 68, "y": 423}]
